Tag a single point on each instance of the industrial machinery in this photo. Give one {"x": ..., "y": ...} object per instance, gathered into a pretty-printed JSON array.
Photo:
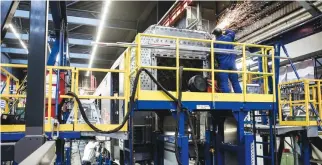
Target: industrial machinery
[
  {"x": 189, "y": 122},
  {"x": 156, "y": 103}
]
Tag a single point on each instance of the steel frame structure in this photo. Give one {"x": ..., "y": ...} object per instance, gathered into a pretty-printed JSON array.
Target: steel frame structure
[
  {"x": 317, "y": 67},
  {"x": 213, "y": 102}
]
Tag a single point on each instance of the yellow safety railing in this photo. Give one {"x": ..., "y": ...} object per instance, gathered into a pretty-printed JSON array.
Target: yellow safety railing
[
  {"x": 213, "y": 96},
  {"x": 296, "y": 99},
  {"x": 10, "y": 80},
  {"x": 75, "y": 74}
]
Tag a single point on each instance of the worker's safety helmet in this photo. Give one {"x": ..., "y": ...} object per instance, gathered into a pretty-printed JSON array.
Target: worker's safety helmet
[{"x": 217, "y": 32}]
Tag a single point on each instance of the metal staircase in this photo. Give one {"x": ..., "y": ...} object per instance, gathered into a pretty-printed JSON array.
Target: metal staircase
[{"x": 268, "y": 138}]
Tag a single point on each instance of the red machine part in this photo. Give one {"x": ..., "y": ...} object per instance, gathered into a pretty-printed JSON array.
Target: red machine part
[
  {"x": 176, "y": 12},
  {"x": 3, "y": 77},
  {"x": 61, "y": 91}
]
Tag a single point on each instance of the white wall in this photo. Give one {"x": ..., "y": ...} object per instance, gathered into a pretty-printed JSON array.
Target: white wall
[
  {"x": 304, "y": 46},
  {"x": 305, "y": 69}
]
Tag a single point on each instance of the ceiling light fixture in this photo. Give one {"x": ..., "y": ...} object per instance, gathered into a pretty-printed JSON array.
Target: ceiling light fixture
[
  {"x": 99, "y": 33},
  {"x": 18, "y": 37}
]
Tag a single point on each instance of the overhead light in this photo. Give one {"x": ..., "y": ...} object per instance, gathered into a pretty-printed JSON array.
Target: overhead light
[
  {"x": 18, "y": 37},
  {"x": 99, "y": 33}
]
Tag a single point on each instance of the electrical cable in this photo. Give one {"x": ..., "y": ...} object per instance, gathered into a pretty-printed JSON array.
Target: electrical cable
[
  {"x": 131, "y": 104},
  {"x": 132, "y": 97},
  {"x": 180, "y": 110},
  {"x": 194, "y": 140}
]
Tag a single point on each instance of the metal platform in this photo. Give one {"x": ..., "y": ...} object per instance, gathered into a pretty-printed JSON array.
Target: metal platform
[
  {"x": 283, "y": 130},
  {"x": 15, "y": 136},
  {"x": 154, "y": 100}
]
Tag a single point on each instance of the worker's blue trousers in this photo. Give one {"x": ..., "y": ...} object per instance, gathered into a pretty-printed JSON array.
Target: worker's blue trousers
[{"x": 223, "y": 78}]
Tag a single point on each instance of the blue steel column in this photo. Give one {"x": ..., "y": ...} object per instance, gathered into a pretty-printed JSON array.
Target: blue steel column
[
  {"x": 306, "y": 155},
  {"x": 53, "y": 55},
  {"x": 208, "y": 157},
  {"x": 243, "y": 156},
  {"x": 219, "y": 138},
  {"x": 68, "y": 155},
  {"x": 209, "y": 150},
  {"x": 260, "y": 69},
  {"x": 277, "y": 48},
  {"x": 35, "y": 104},
  {"x": 60, "y": 61},
  {"x": 130, "y": 159},
  {"x": 158, "y": 155},
  {"x": 248, "y": 140},
  {"x": 183, "y": 140},
  {"x": 60, "y": 143}
]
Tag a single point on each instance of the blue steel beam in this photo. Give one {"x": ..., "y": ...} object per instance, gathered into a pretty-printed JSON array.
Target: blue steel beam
[
  {"x": 24, "y": 52},
  {"x": 82, "y": 56},
  {"x": 59, "y": 16},
  {"x": 36, "y": 81},
  {"x": 8, "y": 9},
  {"x": 310, "y": 7},
  {"x": 123, "y": 25},
  {"x": 25, "y": 62},
  {"x": 73, "y": 41}
]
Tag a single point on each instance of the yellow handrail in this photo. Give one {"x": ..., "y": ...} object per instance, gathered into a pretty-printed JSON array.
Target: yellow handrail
[
  {"x": 4, "y": 71},
  {"x": 75, "y": 73},
  {"x": 127, "y": 72},
  {"x": 212, "y": 70},
  {"x": 312, "y": 95}
]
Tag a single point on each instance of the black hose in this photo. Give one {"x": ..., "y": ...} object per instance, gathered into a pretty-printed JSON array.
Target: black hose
[
  {"x": 194, "y": 140},
  {"x": 131, "y": 104},
  {"x": 179, "y": 110},
  {"x": 132, "y": 97},
  {"x": 59, "y": 114}
]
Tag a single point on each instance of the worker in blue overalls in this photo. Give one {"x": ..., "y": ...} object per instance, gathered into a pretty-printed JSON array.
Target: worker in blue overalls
[{"x": 226, "y": 61}]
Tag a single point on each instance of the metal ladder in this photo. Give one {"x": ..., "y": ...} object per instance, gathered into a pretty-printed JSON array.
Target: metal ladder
[{"x": 268, "y": 138}]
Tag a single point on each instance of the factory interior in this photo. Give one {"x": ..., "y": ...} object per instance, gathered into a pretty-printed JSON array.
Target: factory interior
[{"x": 182, "y": 82}]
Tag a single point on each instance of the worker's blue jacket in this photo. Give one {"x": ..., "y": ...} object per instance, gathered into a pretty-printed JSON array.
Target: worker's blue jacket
[
  {"x": 227, "y": 61},
  {"x": 225, "y": 58}
]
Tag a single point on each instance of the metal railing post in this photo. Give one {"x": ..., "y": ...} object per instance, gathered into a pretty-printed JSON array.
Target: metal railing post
[
  {"x": 319, "y": 97},
  {"x": 50, "y": 80},
  {"x": 212, "y": 62},
  {"x": 77, "y": 93},
  {"x": 244, "y": 75},
  {"x": 273, "y": 76},
  {"x": 177, "y": 66},
  {"x": 307, "y": 98},
  {"x": 138, "y": 62}
]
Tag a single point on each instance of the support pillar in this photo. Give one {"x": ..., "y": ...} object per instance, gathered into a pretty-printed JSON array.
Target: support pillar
[
  {"x": 306, "y": 153},
  {"x": 243, "y": 156},
  {"x": 209, "y": 150},
  {"x": 60, "y": 151},
  {"x": 183, "y": 140},
  {"x": 35, "y": 104},
  {"x": 219, "y": 138}
]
